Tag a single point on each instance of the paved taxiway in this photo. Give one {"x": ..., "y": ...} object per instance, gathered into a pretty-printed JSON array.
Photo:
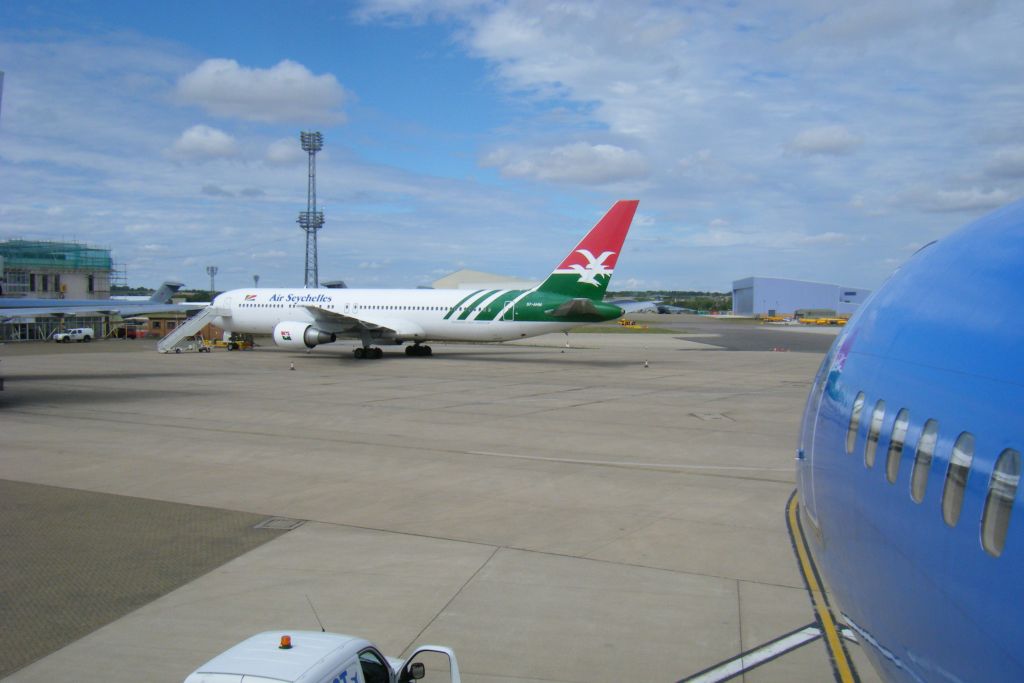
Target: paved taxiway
[{"x": 552, "y": 513}]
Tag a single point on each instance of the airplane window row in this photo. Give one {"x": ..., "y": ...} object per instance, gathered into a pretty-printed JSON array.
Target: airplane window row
[
  {"x": 1003, "y": 484},
  {"x": 410, "y": 308},
  {"x": 375, "y": 308},
  {"x": 419, "y": 308}
]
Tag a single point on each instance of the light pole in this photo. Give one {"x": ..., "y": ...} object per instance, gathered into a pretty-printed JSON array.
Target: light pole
[
  {"x": 255, "y": 280},
  {"x": 311, "y": 220},
  {"x": 212, "y": 272}
]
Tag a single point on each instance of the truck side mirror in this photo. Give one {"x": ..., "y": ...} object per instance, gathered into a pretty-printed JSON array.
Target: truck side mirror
[{"x": 415, "y": 672}]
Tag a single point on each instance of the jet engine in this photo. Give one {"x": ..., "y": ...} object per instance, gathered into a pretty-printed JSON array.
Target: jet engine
[{"x": 295, "y": 335}]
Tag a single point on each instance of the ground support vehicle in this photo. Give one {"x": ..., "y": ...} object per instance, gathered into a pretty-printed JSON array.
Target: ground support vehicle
[
  {"x": 236, "y": 342},
  {"x": 318, "y": 657},
  {"x": 193, "y": 344},
  {"x": 76, "y": 334},
  {"x": 130, "y": 329}
]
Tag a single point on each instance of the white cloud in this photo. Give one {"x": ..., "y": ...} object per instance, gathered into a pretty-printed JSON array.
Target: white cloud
[
  {"x": 972, "y": 199},
  {"x": 833, "y": 140},
  {"x": 204, "y": 142},
  {"x": 579, "y": 163},
  {"x": 1007, "y": 163},
  {"x": 825, "y": 238},
  {"x": 286, "y": 92},
  {"x": 641, "y": 219},
  {"x": 286, "y": 151},
  {"x": 719, "y": 236},
  {"x": 701, "y": 158},
  {"x": 417, "y": 10}
]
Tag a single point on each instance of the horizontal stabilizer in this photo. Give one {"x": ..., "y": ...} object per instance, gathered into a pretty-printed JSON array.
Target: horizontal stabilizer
[{"x": 575, "y": 307}]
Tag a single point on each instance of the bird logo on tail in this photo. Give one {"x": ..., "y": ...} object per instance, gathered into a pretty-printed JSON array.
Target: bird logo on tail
[{"x": 595, "y": 267}]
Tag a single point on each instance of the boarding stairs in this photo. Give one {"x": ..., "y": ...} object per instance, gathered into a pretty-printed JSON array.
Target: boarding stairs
[{"x": 188, "y": 328}]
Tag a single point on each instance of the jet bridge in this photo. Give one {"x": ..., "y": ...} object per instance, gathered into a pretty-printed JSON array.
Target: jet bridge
[{"x": 188, "y": 328}]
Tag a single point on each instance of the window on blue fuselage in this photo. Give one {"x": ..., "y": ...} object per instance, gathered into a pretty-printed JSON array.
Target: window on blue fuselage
[
  {"x": 874, "y": 430},
  {"x": 956, "y": 478},
  {"x": 851, "y": 432},
  {"x": 923, "y": 460},
  {"x": 1002, "y": 492},
  {"x": 896, "y": 440}
]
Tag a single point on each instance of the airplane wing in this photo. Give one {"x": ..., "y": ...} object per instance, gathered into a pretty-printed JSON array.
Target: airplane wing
[
  {"x": 102, "y": 306},
  {"x": 354, "y": 325},
  {"x": 160, "y": 302}
]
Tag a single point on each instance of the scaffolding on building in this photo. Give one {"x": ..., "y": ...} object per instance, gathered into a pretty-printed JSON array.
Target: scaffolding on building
[
  {"x": 41, "y": 268},
  {"x": 22, "y": 258},
  {"x": 58, "y": 255}
]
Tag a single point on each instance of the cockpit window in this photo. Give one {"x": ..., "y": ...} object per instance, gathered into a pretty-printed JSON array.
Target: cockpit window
[
  {"x": 874, "y": 429},
  {"x": 1002, "y": 491},
  {"x": 956, "y": 478},
  {"x": 899, "y": 435},
  {"x": 851, "y": 433},
  {"x": 923, "y": 460}
]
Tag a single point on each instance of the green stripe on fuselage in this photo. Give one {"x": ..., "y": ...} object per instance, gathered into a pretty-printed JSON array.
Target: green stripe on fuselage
[
  {"x": 461, "y": 301},
  {"x": 495, "y": 307},
  {"x": 469, "y": 308}
]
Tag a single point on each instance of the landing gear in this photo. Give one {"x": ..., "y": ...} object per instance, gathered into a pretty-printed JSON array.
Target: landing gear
[
  {"x": 367, "y": 352},
  {"x": 418, "y": 350}
]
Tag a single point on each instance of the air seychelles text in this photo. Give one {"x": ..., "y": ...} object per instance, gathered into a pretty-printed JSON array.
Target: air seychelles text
[{"x": 301, "y": 298}]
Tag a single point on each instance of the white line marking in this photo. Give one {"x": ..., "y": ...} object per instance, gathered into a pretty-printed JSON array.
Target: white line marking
[{"x": 738, "y": 665}]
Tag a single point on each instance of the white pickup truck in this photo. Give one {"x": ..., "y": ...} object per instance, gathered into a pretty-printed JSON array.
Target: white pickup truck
[
  {"x": 78, "y": 334},
  {"x": 315, "y": 657}
]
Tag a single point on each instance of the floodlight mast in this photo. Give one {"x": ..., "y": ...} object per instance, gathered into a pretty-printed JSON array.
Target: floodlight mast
[
  {"x": 212, "y": 272},
  {"x": 311, "y": 220}
]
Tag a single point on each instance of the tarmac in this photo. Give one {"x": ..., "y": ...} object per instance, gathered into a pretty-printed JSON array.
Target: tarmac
[{"x": 614, "y": 509}]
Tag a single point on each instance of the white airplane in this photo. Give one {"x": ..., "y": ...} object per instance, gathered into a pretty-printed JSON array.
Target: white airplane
[{"x": 304, "y": 318}]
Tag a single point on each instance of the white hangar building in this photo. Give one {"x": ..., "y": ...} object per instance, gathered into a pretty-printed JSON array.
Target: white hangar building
[{"x": 779, "y": 296}]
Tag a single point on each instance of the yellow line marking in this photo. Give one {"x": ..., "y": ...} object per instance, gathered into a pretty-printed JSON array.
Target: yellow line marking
[{"x": 844, "y": 670}]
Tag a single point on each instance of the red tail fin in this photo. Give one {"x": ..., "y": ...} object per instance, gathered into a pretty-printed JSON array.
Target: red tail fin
[{"x": 585, "y": 272}]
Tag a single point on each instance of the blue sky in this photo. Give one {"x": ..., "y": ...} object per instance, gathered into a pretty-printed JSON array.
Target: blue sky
[{"x": 822, "y": 141}]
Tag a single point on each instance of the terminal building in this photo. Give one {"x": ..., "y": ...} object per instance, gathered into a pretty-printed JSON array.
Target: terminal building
[
  {"x": 779, "y": 296},
  {"x": 53, "y": 270}
]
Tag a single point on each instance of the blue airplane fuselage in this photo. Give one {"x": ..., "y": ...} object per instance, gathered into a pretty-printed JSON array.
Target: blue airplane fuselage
[{"x": 909, "y": 459}]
